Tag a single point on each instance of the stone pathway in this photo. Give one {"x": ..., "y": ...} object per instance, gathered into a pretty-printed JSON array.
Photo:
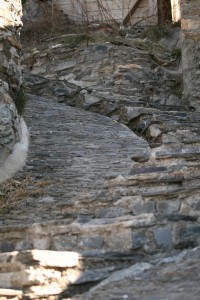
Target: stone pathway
[
  {"x": 117, "y": 190},
  {"x": 75, "y": 153}
]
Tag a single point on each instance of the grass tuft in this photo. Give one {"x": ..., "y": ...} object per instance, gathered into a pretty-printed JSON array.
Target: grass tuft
[{"x": 12, "y": 192}]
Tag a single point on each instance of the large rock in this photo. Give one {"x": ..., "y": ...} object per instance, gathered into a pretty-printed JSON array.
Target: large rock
[{"x": 172, "y": 278}]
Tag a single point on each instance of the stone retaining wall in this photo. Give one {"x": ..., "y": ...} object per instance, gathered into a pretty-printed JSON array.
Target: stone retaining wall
[
  {"x": 190, "y": 22},
  {"x": 10, "y": 76}
]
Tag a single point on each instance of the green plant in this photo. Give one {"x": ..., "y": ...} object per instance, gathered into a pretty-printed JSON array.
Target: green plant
[
  {"x": 20, "y": 101},
  {"x": 179, "y": 90},
  {"x": 72, "y": 40},
  {"x": 156, "y": 32},
  {"x": 5, "y": 210},
  {"x": 176, "y": 54}
]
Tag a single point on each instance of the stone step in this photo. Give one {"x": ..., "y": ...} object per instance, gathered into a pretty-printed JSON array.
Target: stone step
[
  {"x": 170, "y": 228},
  {"x": 115, "y": 196}
]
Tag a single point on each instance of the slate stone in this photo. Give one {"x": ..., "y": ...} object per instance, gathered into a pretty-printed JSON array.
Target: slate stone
[
  {"x": 65, "y": 65},
  {"x": 94, "y": 275},
  {"x": 143, "y": 170},
  {"x": 165, "y": 279},
  {"x": 190, "y": 231},
  {"x": 101, "y": 48},
  {"x": 138, "y": 240},
  {"x": 64, "y": 242},
  {"x": 179, "y": 217},
  {"x": 168, "y": 207},
  {"x": 163, "y": 238},
  {"x": 113, "y": 212},
  {"x": 34, "y": 79},
  {"x": 61, "y": 92},
  {"x": 6, "y": 247},
  {"x": 142, "y": 207},
  {"x": 68, "y": 90},
  {"x": 90, "y": 242}
]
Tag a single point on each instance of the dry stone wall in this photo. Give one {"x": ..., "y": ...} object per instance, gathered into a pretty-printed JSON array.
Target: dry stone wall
[
  {"x": 190, "y": 22},
  {"x": 10, "y": 76}
]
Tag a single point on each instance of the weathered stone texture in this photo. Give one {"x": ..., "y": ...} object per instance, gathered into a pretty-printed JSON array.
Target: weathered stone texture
[
  {"x": 114, "y": 196},
  {"x": 37, "y": 273},
  {"x": 54, "y": 275},
  {"x": 10, "y": 75},
  {"x": 107, "y": 190},
  {"x": 172, "y": 278},
  {"x": 8, "y": 130},
  {"x": 190, "y": 23}
]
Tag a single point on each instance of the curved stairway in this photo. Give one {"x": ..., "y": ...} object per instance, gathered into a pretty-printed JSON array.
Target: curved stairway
[{"x": 116, "y": 190}]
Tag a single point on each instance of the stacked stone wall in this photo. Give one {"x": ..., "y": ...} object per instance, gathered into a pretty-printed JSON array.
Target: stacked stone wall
[
  {"x": 190, "y": 23},
  {"x": 10, "y": 76}
]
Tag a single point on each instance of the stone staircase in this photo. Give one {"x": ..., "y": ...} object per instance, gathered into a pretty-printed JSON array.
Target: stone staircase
[{"x": 114, "y": 175}]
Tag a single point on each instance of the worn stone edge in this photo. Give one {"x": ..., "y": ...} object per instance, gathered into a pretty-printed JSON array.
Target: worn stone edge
[{"x": 17, "y": 159}]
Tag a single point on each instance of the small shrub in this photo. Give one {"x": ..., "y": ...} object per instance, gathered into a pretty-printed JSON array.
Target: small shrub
[
  {"x": 176, "y": 54},
  {"x": 72, "y": 40},
  {"x": 5, "y": 210},
  {"x": 156, "y": 32},
  {"x": 20, "y": 101},
  {"x": 179, "y": 90}
]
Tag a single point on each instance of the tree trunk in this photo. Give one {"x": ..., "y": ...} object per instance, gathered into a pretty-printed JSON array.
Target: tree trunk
[{"x": 164, "y": 11}]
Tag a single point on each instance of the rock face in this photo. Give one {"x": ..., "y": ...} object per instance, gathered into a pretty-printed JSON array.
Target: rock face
[
  {"x": 34, "y": 273},
  {"x": 62, "y": 275},
  {"x": 11, "y": 93},
  {"x": 171, "y": 278},
  {"x": 190, "y": 24}
]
